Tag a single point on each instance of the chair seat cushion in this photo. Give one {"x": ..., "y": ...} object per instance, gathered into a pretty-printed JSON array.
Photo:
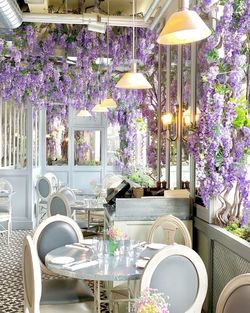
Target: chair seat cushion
[
  {"x": 82, "y": 224},
  {"x": 68, "y": 308},
  {"x": 63, "y": 290}
]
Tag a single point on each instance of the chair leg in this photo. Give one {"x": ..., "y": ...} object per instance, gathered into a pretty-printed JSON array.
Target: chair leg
[{"x": 9, "y": 231}]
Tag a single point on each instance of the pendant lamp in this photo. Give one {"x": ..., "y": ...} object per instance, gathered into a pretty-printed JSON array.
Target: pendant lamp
[
  {"x": 183, "y": 27},
  {"x": 132, "y": 79},
  {"x": 99, "y": 109},
  {"x": 108, "y": 102},
  {"x": 84, "y": 113}
]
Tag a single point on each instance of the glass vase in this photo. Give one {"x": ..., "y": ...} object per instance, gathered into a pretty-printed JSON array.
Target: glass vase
[{"x": 112, "y": 246}]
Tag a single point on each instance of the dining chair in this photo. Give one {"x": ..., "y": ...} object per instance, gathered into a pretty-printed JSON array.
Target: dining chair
[
  {"x": 54, "y": 232},
  {"x": 34, "y": 289},
  {"x": 60, "y": 203},
  {"x": 235, "y": 297},
  {"x": 169, "y": 226},
  {"x": 45, "y": 186},
  {"x": 6, "y": 190},
  {"x": 178, "y": 272}
]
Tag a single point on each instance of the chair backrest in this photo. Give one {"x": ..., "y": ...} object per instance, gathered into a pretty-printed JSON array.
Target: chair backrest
[
  {"x": 58, "y": 204},
  {"x": 5, "y": 202},
  {"x": 68, "y": 193},
  {"x": 170, "y": 225},
  {"x": 46, "y": 185},
  {"x": 56, "y": 231},
  {"x": 178, "y": 272},
  {"x": 235, "y": 297},
  {"x": 31, "y": 277},
  {"x": 5, "y": 185}
]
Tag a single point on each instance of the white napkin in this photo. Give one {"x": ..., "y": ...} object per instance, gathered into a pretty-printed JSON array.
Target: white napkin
[
  {"x": 81, "y": 265},
  {"x": 77, "y": 247},
  {"x": 141, "y": 263}
]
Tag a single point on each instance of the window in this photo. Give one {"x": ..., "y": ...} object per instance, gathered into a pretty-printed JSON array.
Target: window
[
  {"x": 113, "y": 143},
  {"x": 87, "y": 147},
  {"x": 13, "y": 140},
  {"x": 57, "y": 135}
]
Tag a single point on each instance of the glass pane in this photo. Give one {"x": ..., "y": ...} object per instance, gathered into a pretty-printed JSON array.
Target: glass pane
[
  {"x": 173, "y": 104},
  {"x": 186, "y": 92},
  {"x": 113, "y": 143},
  {"x": 57, "y": 135},
  {"x": 13, "y": 140},
  {"x": 36, "y": 139},
  {"x": 87, "y": 147}
]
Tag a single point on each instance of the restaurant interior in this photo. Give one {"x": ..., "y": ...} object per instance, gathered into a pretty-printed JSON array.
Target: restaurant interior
[{"x": 125, "y": 156}]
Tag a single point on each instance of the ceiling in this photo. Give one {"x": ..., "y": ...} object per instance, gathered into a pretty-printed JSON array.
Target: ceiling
[{"x": 117, "y": 7}]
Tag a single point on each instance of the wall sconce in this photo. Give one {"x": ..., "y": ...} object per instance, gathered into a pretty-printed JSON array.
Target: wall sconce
[
  {"x": 187, "y": 118},
  {"x": 167, "y": 122}
]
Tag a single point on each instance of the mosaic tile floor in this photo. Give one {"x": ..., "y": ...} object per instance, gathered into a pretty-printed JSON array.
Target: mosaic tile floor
[{"x": 11, "y": 286}]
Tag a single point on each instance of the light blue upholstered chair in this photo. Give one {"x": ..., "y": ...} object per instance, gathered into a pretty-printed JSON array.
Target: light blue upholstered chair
[
  {"x": 235, "y": 297},
  {"x": 179, "y": 273},
  {"x": 34, "y": 290},
  {"x": 60, "y": 203},
  {"x": 54, "y": 232},
  {"x": 45, "y": 186},
  {"x": 6, "y": 190}
]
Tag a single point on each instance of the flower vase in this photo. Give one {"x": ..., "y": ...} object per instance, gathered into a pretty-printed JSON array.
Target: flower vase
[{"x": 112, "y": 246}]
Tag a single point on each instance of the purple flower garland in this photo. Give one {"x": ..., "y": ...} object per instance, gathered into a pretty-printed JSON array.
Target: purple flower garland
[
  {"x": 219, "y": 145},
  {"x": 30, "y": 71}
]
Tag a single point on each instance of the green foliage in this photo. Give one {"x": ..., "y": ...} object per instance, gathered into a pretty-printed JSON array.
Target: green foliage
[
  {"x": 141, "y": 178},
  {"x": 141, "y": 124},
  {"x": 242, "y": 232},
  {"x": 241, "y": 110},
  {"x": 212, "y": 55}
]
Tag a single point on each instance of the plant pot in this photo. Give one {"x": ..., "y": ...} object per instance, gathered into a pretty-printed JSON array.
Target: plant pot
[{"x": 138, "y": 192}]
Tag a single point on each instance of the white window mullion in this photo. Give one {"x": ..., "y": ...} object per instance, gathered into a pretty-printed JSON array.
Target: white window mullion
[
  {"x": 1, "y": 132},
  {"x": 24, "y": 156},
  {"x": 10, "y": 133},
  {"x": 5, "y": 134},
  {"x": 15, "y": 135},
  {"x": 19, "y": 138}
]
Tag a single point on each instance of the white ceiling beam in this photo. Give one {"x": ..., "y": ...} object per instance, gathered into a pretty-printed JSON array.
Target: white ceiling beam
[{"x": 125, "y": 21}]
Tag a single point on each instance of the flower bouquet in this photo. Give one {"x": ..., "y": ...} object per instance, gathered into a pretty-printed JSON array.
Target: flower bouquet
[
  {"x": 114, "y": 234},
  {"x": 151, "y": 301}
]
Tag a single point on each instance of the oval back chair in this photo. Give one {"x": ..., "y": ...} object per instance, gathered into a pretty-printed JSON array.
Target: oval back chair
[
  {"x": 33, "y": 289},
  {"x": 56, "y": 231},
  {"x": 46, "y": 185},
  {"x": 58, "y": 204},
  {"x": 235, "y": 297},
  {"x": 6, "y": 190},
  {"x": 170, "y": 225},
  {"x": 68, "y": 193},
  {"x": 178, "y": 272}
]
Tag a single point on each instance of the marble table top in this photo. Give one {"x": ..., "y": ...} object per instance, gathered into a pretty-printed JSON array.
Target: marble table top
[{"x": 108, "y": 268}]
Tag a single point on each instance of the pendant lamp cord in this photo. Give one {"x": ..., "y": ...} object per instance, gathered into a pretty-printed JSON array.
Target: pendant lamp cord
[
  {"x": 108, "y": 34},
  {"x": 133, "y": 25},
  {"x": 108, "y": 66}
]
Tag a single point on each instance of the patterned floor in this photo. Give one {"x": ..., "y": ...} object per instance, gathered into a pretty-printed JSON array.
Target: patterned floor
[{"x": 11, "y": 287}]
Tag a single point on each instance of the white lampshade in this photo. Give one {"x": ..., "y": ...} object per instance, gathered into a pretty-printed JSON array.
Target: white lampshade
[
  {"x": 133, "y": 80},
  {"x": 99, "y": 109},
  {"x": 183, "y": 27},
  {"x": 84, "y": 113},
  {"x": 108, "y": 103}
]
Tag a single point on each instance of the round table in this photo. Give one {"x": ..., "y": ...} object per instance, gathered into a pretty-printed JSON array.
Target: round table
[{"x": 107, "y": 268}]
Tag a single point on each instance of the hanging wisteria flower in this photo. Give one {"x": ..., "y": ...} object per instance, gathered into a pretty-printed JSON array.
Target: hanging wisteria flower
[
  {"x": 220, "y": 145},
  {"x": 151, "y": 301}
]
